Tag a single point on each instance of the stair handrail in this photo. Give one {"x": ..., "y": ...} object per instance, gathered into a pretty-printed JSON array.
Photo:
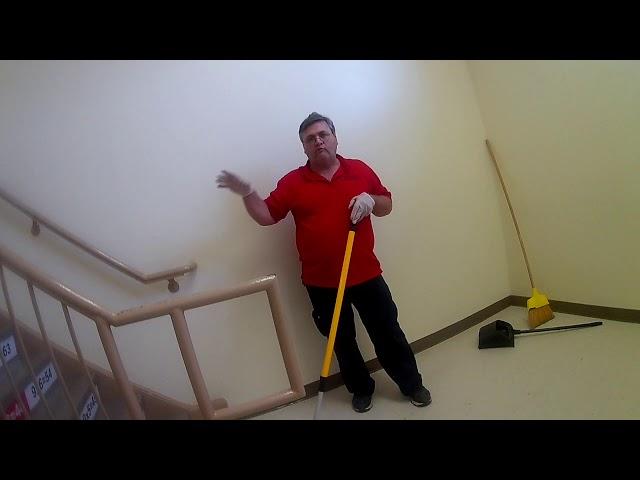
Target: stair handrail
[
  {"x": 39, "y": 219},
  {"x": 175, "y": 308}
]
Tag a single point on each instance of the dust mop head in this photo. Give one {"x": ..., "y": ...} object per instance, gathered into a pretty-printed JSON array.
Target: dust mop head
[{"x": 539, "y": 309}]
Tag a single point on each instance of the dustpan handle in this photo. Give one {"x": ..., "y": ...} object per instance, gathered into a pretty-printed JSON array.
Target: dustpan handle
[{"x": 581, "y": 325}]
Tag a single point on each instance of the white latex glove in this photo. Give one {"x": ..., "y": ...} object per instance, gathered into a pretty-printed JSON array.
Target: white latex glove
[
  {"x": 362, "y": 206},
  {"x": 234, "y": 183}
]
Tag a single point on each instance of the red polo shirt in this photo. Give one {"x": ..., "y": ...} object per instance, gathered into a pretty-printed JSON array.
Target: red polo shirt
[{"x": 322, "y": 217}]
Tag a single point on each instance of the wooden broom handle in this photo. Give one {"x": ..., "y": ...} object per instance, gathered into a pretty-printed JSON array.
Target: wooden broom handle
[{"x": 513, "y": 215}]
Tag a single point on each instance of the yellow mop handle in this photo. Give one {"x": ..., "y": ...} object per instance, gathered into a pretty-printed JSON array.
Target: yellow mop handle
[{"x": 336, "y": 311}]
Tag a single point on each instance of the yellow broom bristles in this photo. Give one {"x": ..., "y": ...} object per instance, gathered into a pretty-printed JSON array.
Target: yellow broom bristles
[{"x": 540, "y": 315}]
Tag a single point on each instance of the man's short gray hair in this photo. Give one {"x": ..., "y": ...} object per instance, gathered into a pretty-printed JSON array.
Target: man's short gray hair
[{"x": 313, "y": 118}]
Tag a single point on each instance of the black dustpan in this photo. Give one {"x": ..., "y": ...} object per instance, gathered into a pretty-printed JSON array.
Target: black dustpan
[{"x": 500, "y": 334}]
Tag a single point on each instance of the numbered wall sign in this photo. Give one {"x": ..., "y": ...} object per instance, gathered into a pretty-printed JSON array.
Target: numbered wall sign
[
  {"x": 90, "y": 408},
  {"x": 14, "y": 412},
  {"x": 9, "y": 350},
  {"x": 46, "y": 378}
]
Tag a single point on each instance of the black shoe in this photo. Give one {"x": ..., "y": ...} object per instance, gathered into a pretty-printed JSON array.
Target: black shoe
[
  {"x": 361, "y": 403},
  {"x": 421, "y": 397}
]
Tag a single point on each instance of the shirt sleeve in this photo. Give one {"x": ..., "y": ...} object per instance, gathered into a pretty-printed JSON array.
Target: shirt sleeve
[
  {"x": 278, "y": 201},
  {"x": 375, "y": 185}
]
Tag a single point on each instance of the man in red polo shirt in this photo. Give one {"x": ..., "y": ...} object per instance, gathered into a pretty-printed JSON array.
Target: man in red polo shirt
[{"x": 325, "y": 196}]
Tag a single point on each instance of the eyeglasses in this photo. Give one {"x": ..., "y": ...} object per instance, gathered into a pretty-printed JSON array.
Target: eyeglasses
[{"x": 311, "y": 139}]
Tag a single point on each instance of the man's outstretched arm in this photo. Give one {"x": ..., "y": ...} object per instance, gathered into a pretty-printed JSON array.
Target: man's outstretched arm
[{"x": 255, "y": 206}]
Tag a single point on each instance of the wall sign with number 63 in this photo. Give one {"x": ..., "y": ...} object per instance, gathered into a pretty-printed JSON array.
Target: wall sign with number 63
[{"x": 9, "y": 350}]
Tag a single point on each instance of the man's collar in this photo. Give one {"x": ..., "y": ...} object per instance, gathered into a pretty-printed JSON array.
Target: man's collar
[{"x": 310, "y": 175}]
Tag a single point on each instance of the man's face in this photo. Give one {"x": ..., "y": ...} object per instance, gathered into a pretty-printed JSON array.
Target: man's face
[{"x": 319, "y": 144}]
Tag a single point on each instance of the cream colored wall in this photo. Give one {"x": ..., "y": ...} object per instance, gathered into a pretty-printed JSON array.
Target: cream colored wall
[
  {"x": 124, "y": 154},
  {"x": 566, "y": 134}
]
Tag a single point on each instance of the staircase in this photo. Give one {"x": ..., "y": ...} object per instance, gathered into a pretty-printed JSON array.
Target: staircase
[
  {"x": 41, "y": 380},
  {"x": 69, "y": 392}
]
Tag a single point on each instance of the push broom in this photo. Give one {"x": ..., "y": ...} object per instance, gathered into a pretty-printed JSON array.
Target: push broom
[
  {"x": 538, "y": 305},
  {"x": 326, "y": 365}
]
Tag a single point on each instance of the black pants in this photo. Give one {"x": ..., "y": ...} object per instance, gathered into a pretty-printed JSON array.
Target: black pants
[{"x": 379, "y": 315}]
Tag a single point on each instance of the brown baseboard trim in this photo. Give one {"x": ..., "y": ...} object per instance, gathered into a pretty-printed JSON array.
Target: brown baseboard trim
[
  {"x": 373, "y": 365},
  {"x": 460, "y": 326},
  {"x": 595, "y": 311}
]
